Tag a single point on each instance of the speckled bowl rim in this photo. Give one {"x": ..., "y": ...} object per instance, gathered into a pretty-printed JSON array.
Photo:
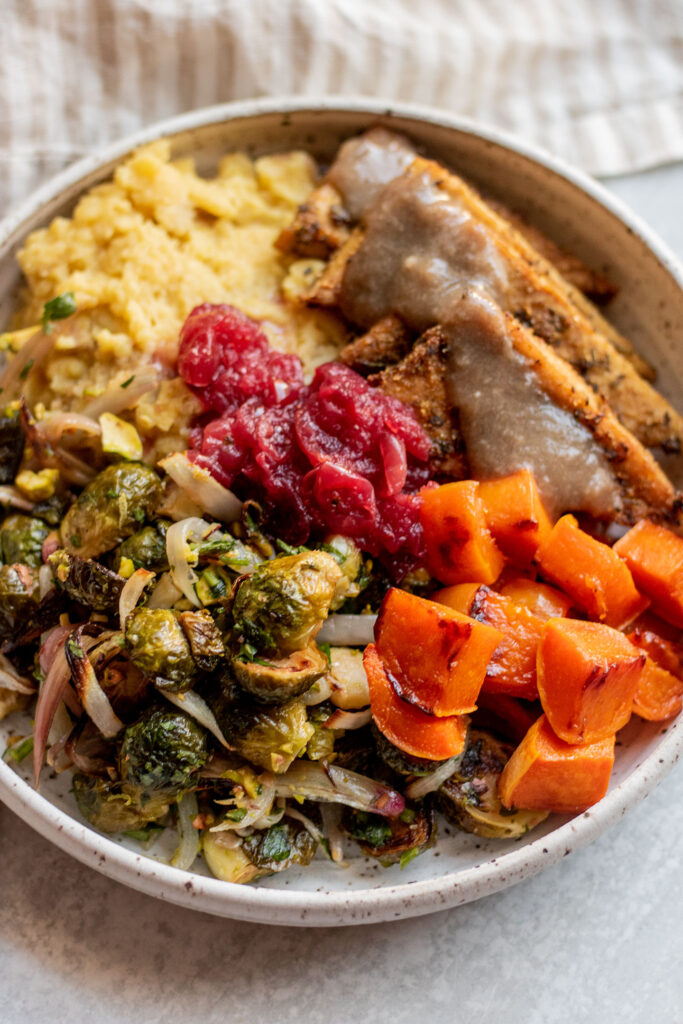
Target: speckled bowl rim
[{"x": 287, "y": 907}]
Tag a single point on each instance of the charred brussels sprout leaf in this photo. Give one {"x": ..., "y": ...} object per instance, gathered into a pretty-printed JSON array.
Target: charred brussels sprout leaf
[
  {"x": 469, "y": 798},
  {"x": 160, "y": 753},
  {"x": 12, "y": 441},
  {"x": 146, "y": 549},
  {"x": 86, "y": 581},
  {"x": 393, "y": 840},
  {"x": 204, "y": 638},
  {"x": 158, "y": 646},
  {"x": 21, "y": 540},
  {"x": 18, "y": 598},
  {"x": 59, "y": 308},
  {"x": 398, "y": 760},
  {"x": 279, "y": 846},
  {"x": 271, "y": 737},
  {"x": 109, "y": 809},
  {"x": 275, "y": 682},
  {"x": 281, "y": 606},
  {"x": 230, "y": 863},
  {"x": 110, "y": 508}
]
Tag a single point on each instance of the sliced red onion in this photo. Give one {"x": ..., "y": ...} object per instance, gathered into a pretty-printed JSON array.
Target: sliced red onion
[
  {"x": 316, "y": 781},
  {"x": 197, "y": 708},
  {"x": 165, "y": 593},
  {"x": 430, "y": 783},
  {"x": 188, "y": 835},
  {"x": 331, "y": 818},
  {"x": 11, "y": 680},
  {"x": 259, "y": 808},
  {"x": 181, "y": 557},
  {"x": 132, "y": 592},
  {"x": 54, "y": 425},
  {"x": 124, "y": 396},
  {"x": 311, "y": 827},
  {"x": 320, "y": 691},
  {"x": 11, "y": 496},
  {"x": 29, "y": 357},
  {"x": 93, "y": 698},
  {"x": 51, "y": 544},
  {"x": 202, "y": 488},
  {"x": 348, "y": 719},
  {"x": 53, "y": 663},
  {"x": 347, "y": 630}
]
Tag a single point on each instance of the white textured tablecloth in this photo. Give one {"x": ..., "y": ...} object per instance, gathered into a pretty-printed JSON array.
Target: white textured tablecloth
[{"x": 599, "y": 82}]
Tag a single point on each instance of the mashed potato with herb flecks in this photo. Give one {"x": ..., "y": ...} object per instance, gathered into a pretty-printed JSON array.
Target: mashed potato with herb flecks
[{"x": 140, "y": 251}]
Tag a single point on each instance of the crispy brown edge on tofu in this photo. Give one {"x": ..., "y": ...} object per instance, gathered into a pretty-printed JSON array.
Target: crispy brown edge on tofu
[
  {"x": 386, "y": 343},
  {"x": 320, "y": 225},
  {"x": 420, "y": 380}
]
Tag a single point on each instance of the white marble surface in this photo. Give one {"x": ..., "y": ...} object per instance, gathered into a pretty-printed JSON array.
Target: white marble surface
[{"x": 598, "y": 938}]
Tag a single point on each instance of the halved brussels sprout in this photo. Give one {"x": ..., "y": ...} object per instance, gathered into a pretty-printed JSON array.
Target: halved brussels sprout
[
  {"x": 161, "y": 753},
  {"x": 158, "y": 646},
  {"x": 278, "y": 847},
  {"x": 204, "y": 638},
  {"x": 393, "y": 840},
  {"x": 282, "y": 605},
  {"x": 109, "y": 809},
  {"x": 146, "y": 548},
  {"x": 469, "y": 798},
  {"x": 275, "y": 682},
  {"x": 269, "y": 736},
  {"x": 86, "y": 581},
  {"x": 21, "y": 540},
  {"x": 110, "y": 508},
  {"x": 227, "y": 860},
  {"x": 398, "y": 760},
  {"x": 349, "y": 558},
  {"x": 18, "y": 597},
  {"x": 321, "y": 744}
]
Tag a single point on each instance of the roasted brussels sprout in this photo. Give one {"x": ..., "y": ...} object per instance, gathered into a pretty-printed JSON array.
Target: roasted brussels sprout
[
  {"x": 110, "y": 508},
  {"x": 18, "y": 598},
  {"x": 204, "y": 638},
  {"x": 398, "y": 760},
  {"x": 271, "y": 737},
  {"x": 469, "y": 798},
  {"x": 12, "y": 441},
  {"x": 281, "y": 606},
  {"x": 109, "y": 809},
  {"x": 21, "y": 540},
  {"x": 348, "y": 557},
  {"x": 226, "y": 859},
  {"x": 145, "y": 549},
  {"x": 158, "y": 646},
  {"x": 275, "y": 682},
  {"x": 160, "y": 753},
  {"x": 321, "y": 744},
  {"x": 393, "y": 840},
  {"x": 86, "y": 581},
  {"x": 278, "y": 847}
]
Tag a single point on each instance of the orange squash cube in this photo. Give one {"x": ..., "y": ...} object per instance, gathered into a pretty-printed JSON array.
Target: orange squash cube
[
  {"x": 435, "y": 657},
  {"x": 405, "y": 725},
  {"x": 546, "y": 774},
  {"x": 659, "y": 694},
  {"x": 587, "y": 678},
  {"x": 512, "y": 668},
  {"x": 460, "y": 548},
  {"x": 515, "y": 515},
  {"x": 545, "y": 601},
  {"x": 655, "y": 557},
  {"x": 591, "y": 573}
]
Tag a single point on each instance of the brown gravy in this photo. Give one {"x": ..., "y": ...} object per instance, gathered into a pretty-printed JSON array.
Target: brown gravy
[{"x": 425, "y": 258}]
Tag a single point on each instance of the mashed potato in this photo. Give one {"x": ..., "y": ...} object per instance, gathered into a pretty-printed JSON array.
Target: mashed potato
[{"x": 140, "y": 251}]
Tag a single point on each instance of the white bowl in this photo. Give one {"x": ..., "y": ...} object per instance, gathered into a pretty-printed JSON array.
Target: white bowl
[{"x": 575, "y": 211}]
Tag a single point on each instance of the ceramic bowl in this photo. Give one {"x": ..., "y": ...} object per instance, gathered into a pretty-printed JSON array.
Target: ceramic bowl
[{"x": 575, "y": 211}]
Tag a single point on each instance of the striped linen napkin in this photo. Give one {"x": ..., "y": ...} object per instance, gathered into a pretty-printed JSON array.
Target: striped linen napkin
[{"x": 599, "y": 82}]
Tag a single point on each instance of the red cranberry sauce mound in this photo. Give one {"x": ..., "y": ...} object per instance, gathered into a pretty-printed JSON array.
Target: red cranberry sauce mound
[{"x": 334, "y": 456}]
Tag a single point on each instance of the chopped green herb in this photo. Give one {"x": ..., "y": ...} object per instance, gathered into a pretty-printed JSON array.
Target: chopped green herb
[
  {"x": 287, "y": 549},
  {"x": 407, "y": 856},
  {"x": 75, "y": 648},
  {"x": 237, "y": 814},
  {"x": 327, "y": 651},
  {"x": 407, "y": 816},
  {"x": 139, "y": 514},
  {"x": 58, "y": 308},
  {"x": 370, "y": 829},
  {"x": 18, "y": 751},
  {"x": 26, "y": 370},
  {"x": 128, "y": 382},
  {"x": 143, "y": 835},
  {"x": 275, "y": 845},
  {"x": 75, "y": 540}
]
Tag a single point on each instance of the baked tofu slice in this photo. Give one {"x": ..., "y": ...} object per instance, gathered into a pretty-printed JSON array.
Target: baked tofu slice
[
  {"x": 320, "y": 226},
  {"x": 385, "y": 344}
]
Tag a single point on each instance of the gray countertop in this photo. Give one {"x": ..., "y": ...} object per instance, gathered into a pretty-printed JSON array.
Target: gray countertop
[{"x": 599, "y": 937}]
